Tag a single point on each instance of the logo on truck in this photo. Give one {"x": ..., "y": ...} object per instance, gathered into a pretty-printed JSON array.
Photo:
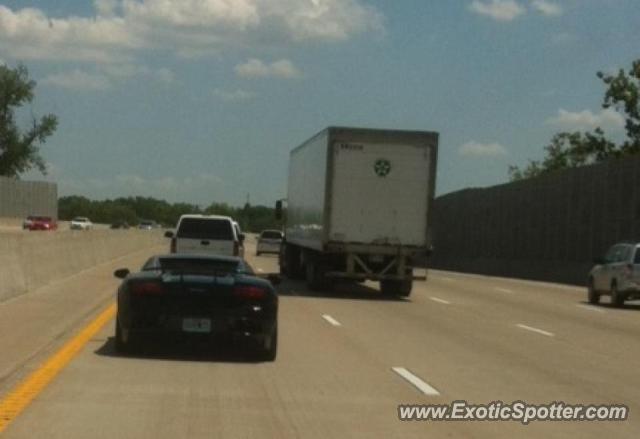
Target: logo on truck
[{"x": 382, "y": 167}]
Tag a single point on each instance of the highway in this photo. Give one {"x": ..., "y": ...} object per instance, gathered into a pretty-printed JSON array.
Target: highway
[{"x": 465, "y": 337}]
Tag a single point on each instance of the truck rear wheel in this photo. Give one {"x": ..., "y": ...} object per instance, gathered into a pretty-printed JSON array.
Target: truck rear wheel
[
  {"x": 316, "y": 280},
  {"x": 290, "y": 262},
  {"x": 401, "y": 288}
]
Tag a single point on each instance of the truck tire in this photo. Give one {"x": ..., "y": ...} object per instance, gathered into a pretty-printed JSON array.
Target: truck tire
[
  {"x": 291, "y": 268},
  {"x": 592, "y": 294},
  {"x": 400, "y": 288},
  {"x": 617, "y": 298},
  {"x": 315, "y": 276}
]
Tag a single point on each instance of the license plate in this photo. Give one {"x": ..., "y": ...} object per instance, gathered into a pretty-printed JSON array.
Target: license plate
[{"x": 196, "y": 325}]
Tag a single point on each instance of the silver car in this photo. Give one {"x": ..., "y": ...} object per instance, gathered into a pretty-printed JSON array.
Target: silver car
[
  {"x": 269, "y": 242},
  {"x": 617, "y": 274}
]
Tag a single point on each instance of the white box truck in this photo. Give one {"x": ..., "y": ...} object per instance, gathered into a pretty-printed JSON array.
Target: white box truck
[{"x": 358, "y": 207}]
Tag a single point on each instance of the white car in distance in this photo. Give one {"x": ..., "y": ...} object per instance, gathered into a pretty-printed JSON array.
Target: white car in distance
[{"x": 81, "y": 223}]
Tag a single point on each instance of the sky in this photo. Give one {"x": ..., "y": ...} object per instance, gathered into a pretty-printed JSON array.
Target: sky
[{"x": 202, "y": 100}]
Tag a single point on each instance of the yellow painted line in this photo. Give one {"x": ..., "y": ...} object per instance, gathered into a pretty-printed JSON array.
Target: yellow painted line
[{"x": 20, "y": 397}]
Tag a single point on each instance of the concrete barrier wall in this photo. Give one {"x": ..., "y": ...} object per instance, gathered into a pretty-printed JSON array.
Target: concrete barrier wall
[
  {"x": 547, "y": 228},
  {"x": 19, "y": 198},
  {"x": 31, "y": 260}
]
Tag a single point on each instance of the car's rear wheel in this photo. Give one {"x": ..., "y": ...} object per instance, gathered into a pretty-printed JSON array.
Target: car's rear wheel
[
  {"x": 124, "y": 344},
  {"x": 593, "y": 295},
  {"x": 268, "y": 349},
  {"x": 617, "y": 298}
]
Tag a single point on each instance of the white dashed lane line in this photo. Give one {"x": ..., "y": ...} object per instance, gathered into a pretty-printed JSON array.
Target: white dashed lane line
[
  {"x": 536, "y": 330},
  {"x": 590, "y": 307},
  {"x": 417, "y": 382},
  {"x": 503, "y": 290},
  {"x": 331, "y": 320},
  {"x": 439, "y": 300}
]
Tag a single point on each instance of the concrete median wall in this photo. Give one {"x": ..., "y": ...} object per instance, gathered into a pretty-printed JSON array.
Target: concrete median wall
[
  {"x": 547, "y": 228},
  {"x": 31, "y": 260}
]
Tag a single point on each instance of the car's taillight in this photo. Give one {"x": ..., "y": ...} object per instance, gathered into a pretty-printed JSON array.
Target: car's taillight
[
  {"x": 147, "y": 289},
  {"x": 236, "y": 248},
  {"x": 173, "y": 245},
  {"x": 249, "y": 292}
]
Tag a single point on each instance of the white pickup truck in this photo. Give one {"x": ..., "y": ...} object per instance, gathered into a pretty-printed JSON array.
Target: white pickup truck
[{"x": 206, "y": 235}]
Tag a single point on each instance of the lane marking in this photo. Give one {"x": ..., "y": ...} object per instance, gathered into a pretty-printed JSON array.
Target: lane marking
[
  {"x": 416, "y": 381},
  {"x": 589, "y": 307},
  {"x": 503, "y": 290},
  {"x": 331, "y": 320},
  {"x": 24, "y": 392},
  {"x": 446, "y": 278},
  {"x": 439, "y": 300},
  {"x": 260, "y": 270},
  {"x": 536, "y": 330}
]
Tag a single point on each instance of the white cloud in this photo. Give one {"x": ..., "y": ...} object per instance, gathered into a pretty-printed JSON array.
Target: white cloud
[
  {"x": 500, "y": 10},
  {"x": 237, "y": 95},
  {"x": 106, "y": 76},
  {"x": 255, "y": 68},
  {"x": 547, "y": 8},
  {"x": 586, "y": 119},
  {"x": 29, "y": 34},
  {"x": 473, "y": 148},
  {"x": 78, "y": 80},
  {"x": 121, "y": 27}
]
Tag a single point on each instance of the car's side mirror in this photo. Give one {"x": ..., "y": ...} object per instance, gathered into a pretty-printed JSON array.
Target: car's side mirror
[
  {"x": 168, "y": 234},
  {"x": 279, "y": 209},
  {"x": 274, "y": 278},
  {"x": 121, "y": 273},
  {"x": 242, "y": 237}
]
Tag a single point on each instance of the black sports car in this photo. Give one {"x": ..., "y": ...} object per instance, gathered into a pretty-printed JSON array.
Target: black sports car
[{"x": 181, "y": 295}]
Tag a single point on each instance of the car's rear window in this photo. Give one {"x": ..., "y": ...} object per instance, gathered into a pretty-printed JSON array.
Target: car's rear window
[
  {"x": 201, "y": 228},
  {"x": 271, "y": 235},
  {"x": 196, "y": 265}
]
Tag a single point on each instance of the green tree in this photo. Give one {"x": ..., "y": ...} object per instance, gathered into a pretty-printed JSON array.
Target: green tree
[
  {"x": 573, "y": 149},
  {"x": 19, "y": 150}
]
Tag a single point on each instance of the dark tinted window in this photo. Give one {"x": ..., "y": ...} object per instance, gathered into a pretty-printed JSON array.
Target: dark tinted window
[
  {"x": 201, "y": 228},
  {"x": 197, "y": 265},
  {"x": 269, "y": 234},
  {"x": 637, "y": 258},
  {"x": 625, "y": 253}
]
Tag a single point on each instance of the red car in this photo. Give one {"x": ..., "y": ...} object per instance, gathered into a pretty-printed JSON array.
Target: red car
[{"x": 42, "y": 223}]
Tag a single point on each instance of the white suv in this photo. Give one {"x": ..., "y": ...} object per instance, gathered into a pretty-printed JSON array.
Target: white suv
[{"x": 206, "y": 235}]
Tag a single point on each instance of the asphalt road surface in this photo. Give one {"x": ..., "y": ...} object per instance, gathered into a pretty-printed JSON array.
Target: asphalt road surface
[{"x": 465, "y": 337}]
